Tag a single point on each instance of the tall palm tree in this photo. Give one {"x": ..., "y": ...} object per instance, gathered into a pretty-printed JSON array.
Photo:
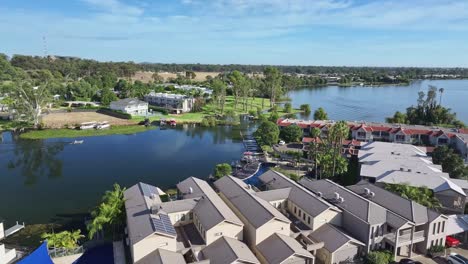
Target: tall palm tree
[
  {"x": 315, "y": 134},
  {"x": 337, "y": 134},
  {"x": 441, "y": 91}
]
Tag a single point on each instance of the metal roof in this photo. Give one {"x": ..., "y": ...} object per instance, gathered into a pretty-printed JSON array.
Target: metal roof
[
  {"x": 228, "y": 250},
  {"x": 333, "y": 237},
  {"x": 278, "y": 248}
]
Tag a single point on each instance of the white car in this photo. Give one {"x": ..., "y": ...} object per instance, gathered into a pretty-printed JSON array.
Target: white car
[
  {"x": 282, "y": 142},
  {"x": 457, "y": 259}
]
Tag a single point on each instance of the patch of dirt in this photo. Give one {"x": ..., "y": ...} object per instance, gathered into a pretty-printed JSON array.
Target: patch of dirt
[{"x": 60, "y": 120}]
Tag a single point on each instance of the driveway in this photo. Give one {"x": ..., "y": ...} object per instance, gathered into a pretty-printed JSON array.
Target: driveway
[{"x": 426, "y": 260}]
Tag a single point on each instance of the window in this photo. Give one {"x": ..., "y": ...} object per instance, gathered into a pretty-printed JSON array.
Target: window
[
  {"x": 433, "y": 228},
  {"x": 308, "y": 220},
  {"x": 361, "y": 134},
  {"x": 304, "y": 217},
  {"x": 218, "y": 234},
  {"x": 300, "y": 212},
  {"x": 442, "y": 141},
  {"x": 400, "y": 137},
  {"x": 295, "y": 210},
  {"x": 443, "y": 227},
  {"x": 372, "y": 232},
  {"x": 190, "y": 215},
  {"x": 182, "y": 218},
  {"x": 432, "y": 243},
  {"x": 438, "y": 228}
]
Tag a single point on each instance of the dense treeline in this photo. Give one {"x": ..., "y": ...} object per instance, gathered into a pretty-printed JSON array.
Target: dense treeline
[{"x": 75, "y": 67}]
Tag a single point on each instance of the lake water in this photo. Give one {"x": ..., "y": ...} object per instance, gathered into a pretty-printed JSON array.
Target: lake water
[
  {"x": 372, "y": 103},
  {"x": 43, "y": 179}
]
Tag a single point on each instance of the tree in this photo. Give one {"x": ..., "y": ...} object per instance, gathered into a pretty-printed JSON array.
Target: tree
[
  {"x": 305, "y": 108},
  {"x": 421, "y": 195},
  {"x": 320, "y": 114},
  {"x": 222, "y": 170},
  {"x": 292, "y": 133},
  {"x": 64, "y": 239},
  {"x": 107, "y": 96},
  {"x": 29, "y": 101},
  {"x": 441, "y": 91},
  {"x": 315, "y": 134},
  {"x": 238, "y": 82},
  {"x": 273, "y": 83},
  {"x": 287, "y": 108},
  {"x": 109, "y": 214},
  {"x": 398, "y": 117},
  {"x": 336, "y": 134},
  {"x": 451, "y": 162},
  {"x": 219, "y": 94},
  {"x": 268, "y": 133}
]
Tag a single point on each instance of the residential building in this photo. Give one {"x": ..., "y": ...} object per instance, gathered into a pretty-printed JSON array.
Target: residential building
[
  {"x": 260, "y": 218},
  {"x": 176, "y": 103},
  {"x": 398, "y": 133},
  {"x": 8, "y": 255},
  {"x": 383, "y": 220},
  {"x": 227, "y": 250},
  {"x": 391, "y": 163},
  {"x": 162, "y": 256},
  {"x": 279, "y": 248},
  {"x": 130, "y": 106},
  {"x": 183, "y": 226}
]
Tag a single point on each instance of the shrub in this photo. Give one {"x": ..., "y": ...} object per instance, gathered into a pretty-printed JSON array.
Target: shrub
[
  {"x": 305, "y": 108},
  {"x": 379, "y": 257},
  {"x": 208, "y": 121},
  {"x": 273, "y": 117},
  {"x": 287, "y": 107},
  {"x": 222, "y": 170},
  {"x": 291, "y": 133}
]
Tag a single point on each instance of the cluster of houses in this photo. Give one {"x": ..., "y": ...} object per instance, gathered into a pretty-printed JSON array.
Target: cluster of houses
[
  {"x": 280, "y": 221},
  {"x": 397, "y": 133}
]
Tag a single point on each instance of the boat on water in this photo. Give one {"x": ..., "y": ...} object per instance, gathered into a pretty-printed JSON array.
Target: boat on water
[
  {"x": 172, "y": 122},
  {"x": 88, "y": 125},
  {"x": 162, "y": 121},
  {"x": 103, "y": 125},
  {"x": 77, "y": 142}
]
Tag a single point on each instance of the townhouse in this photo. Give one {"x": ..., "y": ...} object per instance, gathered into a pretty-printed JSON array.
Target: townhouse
[
  {"x": 398, "y": 133},
  {"x": 266, "y": 230},
  {"x": 185, "y": 226},
  {"x": 390, "y": 163},
  {"x": 176, "y": 103}
]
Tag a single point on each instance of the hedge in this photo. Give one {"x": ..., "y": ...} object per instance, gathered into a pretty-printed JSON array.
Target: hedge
[{"x": 114, "y": 113}]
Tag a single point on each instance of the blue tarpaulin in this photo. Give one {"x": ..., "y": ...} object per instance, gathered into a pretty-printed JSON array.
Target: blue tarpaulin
[{"x": 39, "y": 256}]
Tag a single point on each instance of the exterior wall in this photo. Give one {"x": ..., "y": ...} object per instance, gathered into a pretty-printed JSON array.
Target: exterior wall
[
  {"x": 2, "y": 232},
  {"x": 329, "y": 216},
  {"x": 357, "y": 228},
  {"x": 462, "y": 147},
  {"x": 181, "y": 218},
  {"x": 452, "y": 200},
  {"x": 140, "y": 109},
  {"x": 6, "y": 255},
  {"x": 435, "y": 233},
  {"x": 180, "y": 104},
  {"x": 346, "y": 253},
  {"x": 224, "y": 229},
  {"x": 150, "y": 244},
  {"x": 268, "y": 229}
]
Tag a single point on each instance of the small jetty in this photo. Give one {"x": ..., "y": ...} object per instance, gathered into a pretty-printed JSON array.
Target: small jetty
[
  {"x": 10, "y": 231},
  {"x": 251, "y": 145}
]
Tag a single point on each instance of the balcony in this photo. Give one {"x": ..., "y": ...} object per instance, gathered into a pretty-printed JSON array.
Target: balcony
[{"x": 405, "y": 238}]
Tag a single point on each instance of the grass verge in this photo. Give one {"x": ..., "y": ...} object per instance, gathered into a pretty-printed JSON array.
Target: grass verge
[{"x": 71, "y": 133}]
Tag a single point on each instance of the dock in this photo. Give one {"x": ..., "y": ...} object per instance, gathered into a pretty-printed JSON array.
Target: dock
[
  {"x": 251, "y": 144},
  {"x": 10, "y": 231}
]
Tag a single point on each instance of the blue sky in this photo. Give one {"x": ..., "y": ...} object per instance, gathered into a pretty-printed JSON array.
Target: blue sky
[{"x": 288, "y": 32}]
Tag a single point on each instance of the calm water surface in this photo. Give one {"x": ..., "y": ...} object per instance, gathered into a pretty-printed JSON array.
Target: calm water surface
[
  {"x": 375, "y": 103},
  {"x": 43, "y": 179}
]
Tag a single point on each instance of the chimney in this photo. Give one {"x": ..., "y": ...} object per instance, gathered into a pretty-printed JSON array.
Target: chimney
[
  {"x": 366, "y": 191},
  {"x": 190, "y": 190},
  {"x": 319, "y": 194},
  {"x": 336, "y": 196}
]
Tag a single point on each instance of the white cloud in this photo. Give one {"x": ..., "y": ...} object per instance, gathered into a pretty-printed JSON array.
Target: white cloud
[{"x": 115, "y": 7}]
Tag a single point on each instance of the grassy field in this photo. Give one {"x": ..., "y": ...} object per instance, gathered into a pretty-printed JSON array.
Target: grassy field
[{"x": 71, "y": 133}]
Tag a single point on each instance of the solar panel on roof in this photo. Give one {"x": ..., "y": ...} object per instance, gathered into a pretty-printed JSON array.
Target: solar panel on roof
[{"x": 163, "y": 225}]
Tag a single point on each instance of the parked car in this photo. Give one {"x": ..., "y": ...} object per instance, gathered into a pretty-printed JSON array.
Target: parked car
[
  {"x": 457, "y": 259},
  {"x": 409, "y": 261},
  {"x": 281, "y": 143},
  {"x": 451, "y": 241}
]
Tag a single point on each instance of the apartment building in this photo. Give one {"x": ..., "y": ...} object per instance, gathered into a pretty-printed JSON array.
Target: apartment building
[
  {"x": 381, "y": 219},
  {"x": 176, "y": 103},
  {"x": 184, "y": 226},
  {"x": 391, "y": 163},
  {"x": 397, "y": 133},
  {"x": 266, "y": 230}
]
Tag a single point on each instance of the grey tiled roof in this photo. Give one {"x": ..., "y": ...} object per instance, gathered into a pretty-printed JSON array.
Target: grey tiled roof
[
  {"x": 256, "y": 210},
  {"x": 178, "y": 205},
  {"x": 228, "y": 250},
  {"x": 333, "y": 237},
  {"x": 355, "y": 204},
  {"x": 274, "y": 195},
  {"x": 210, "y": 208},
  {"x": 406, "y": 208},
  {"x": 277, "y": 248},
  {"x": 299, "y": 195},
  {"x": 162, "y": 256}
]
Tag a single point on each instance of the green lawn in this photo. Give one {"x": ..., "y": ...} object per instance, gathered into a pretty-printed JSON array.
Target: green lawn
[
  {"x": 209, "y": 110},
  {"x": 71, "y": 133}
]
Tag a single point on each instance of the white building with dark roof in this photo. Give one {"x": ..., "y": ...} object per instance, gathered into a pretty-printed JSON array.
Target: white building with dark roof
[
  {"x": 130, "y": 106},
  {"x": 176, "y": 103}
]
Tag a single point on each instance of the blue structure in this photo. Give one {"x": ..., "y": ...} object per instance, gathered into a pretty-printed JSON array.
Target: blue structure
[{"x": 39, "y": 256}]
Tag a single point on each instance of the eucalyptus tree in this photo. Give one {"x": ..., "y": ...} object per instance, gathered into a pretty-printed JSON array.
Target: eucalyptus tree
[{"x": 273, "y": 83}]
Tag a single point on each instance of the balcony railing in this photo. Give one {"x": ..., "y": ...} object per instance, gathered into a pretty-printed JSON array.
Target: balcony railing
[{"x": 406, "y": 237}]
